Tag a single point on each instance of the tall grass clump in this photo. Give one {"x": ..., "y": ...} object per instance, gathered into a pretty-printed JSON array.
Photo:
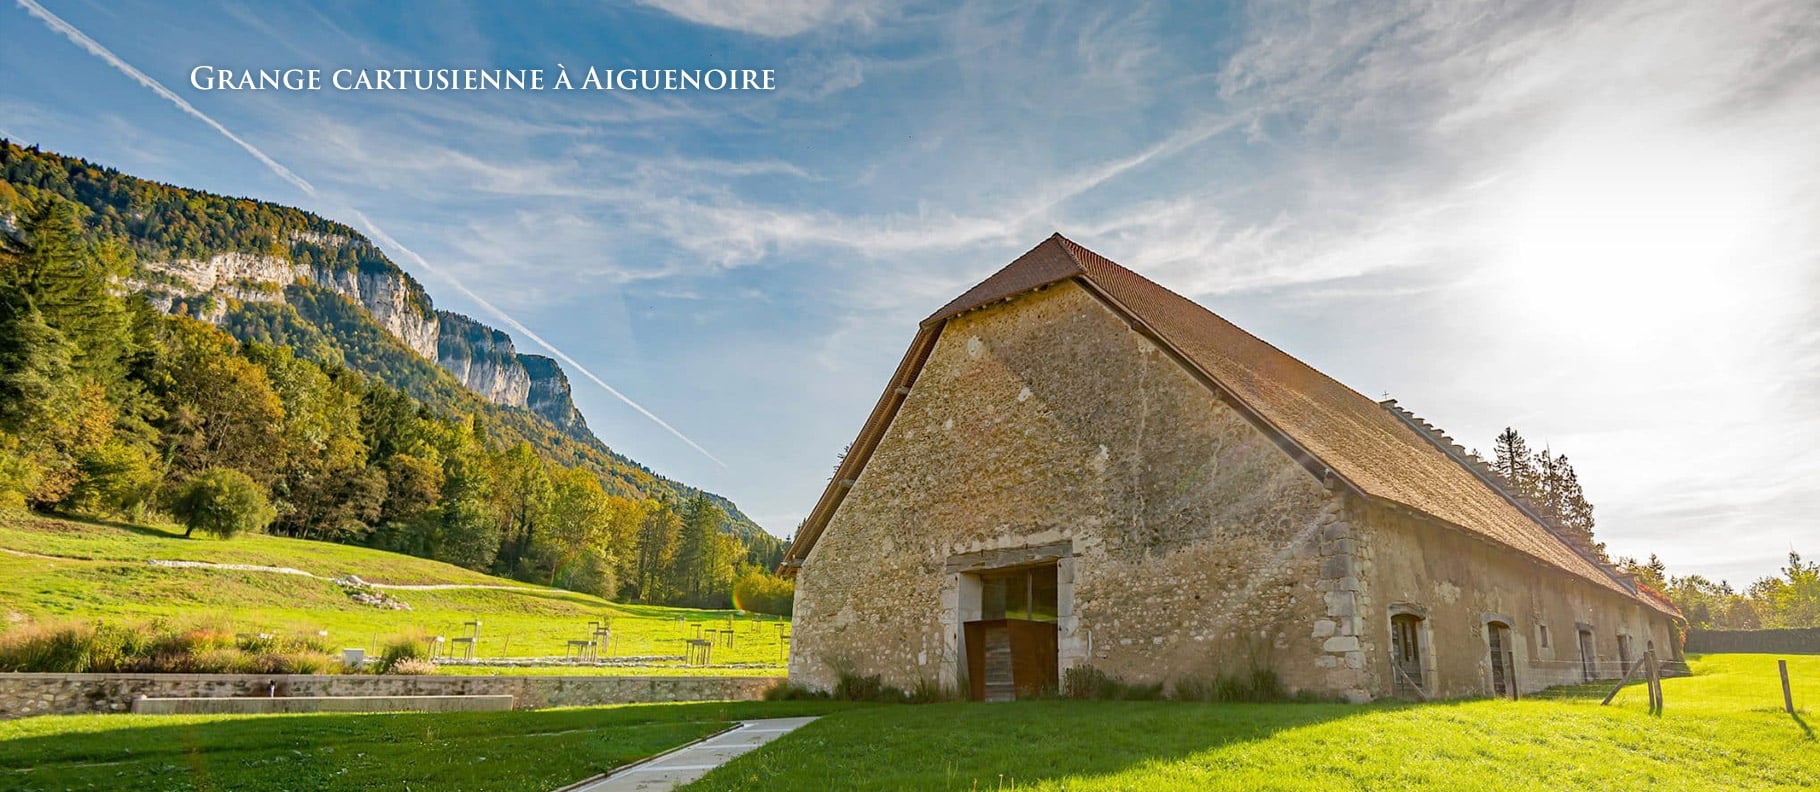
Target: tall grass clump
[
  {"x": 156, "y": 647},
  {"x": 786, "y": 690},
  {"x": 408, "y": 652},
  {"x": 851, "y": 686},
  {"x": 1257, "y": 685},
  {"x": 1091, "y": 684}
]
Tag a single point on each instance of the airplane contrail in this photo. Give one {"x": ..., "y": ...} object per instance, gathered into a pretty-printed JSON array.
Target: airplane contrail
[{"x": 93, "y": 47}]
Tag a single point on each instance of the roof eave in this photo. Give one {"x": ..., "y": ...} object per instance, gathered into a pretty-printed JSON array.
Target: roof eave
[{"x": 847, "y": 473}]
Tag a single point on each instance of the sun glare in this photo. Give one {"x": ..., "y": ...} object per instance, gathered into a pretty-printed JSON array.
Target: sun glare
[{"x": 1612, "y": 242}]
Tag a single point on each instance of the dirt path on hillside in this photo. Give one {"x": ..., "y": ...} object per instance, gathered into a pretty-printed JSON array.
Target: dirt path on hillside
[
  {"x": 347, "y": 580},
  {"x": 278, "y": 570}
]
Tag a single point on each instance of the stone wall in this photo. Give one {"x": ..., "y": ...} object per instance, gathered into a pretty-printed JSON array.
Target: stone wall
[
  {"x": 1190, "y": 545},
  {"x": 68, "y": 694},
  {"x": 1460, "y": 583}
]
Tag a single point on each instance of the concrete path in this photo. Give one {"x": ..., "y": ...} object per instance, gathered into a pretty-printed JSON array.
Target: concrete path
[{"x": 670, "y": 770}]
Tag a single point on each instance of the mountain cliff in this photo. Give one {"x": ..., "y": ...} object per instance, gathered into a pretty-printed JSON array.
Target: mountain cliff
[{"x": 281, "y": 275}]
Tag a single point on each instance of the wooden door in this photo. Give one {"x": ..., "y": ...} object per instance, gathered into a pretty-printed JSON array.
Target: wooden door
[{"x": 1010, "y": 659}]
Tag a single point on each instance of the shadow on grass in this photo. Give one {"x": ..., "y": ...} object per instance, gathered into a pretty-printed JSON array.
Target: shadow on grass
[
  {"x": 537, "y": 750},
  {"x": 142, "y": 530},
  {"x": 1805, "y": 729}
]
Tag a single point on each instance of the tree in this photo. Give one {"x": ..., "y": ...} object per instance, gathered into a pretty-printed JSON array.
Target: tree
[
  {"x": 656, "y": 551},
  {"x": 1654, "y": 573},
  {"x": 1576, "y": 513},
  {"x": 1792, "y": 600},
  {"x": 759, "y": 591},
  {"x": 465, "y": 529},
  {"x": 322, "y": 484},
  {"x": 579, "y": 514},
  {"x": 221, "y": 410},
  {"x": 222, "y": 502},
  {"x": 523, "y": 499},
  {"x": 1711, "y": 606},
  {"x": 701, "y": 572},
  {"x": 1514, "y": 462},
  {"x": 1548, "y": 481}
]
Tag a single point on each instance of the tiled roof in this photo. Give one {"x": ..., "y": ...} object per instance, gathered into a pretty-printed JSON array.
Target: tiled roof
[{"x": 1360, "y": 441}]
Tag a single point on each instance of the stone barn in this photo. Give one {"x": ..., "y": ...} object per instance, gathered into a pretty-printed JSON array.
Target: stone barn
[{"x": 1074, "y": 466}]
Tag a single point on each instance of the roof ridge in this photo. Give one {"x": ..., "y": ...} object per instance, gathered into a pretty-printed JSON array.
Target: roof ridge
[
  {"x": 1503, "y": 486},
  {"x": 1036, "y": 268}
]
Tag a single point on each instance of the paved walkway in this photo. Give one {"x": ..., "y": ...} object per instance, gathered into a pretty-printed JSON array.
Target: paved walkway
[{"x": 671, "y": 770}]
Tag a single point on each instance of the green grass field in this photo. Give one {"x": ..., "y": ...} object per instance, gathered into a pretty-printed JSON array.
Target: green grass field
[
  {"x": 1723, "y": 730},
  {"x": 60, "y": 569},
  {"x": 469, "y": 751}
]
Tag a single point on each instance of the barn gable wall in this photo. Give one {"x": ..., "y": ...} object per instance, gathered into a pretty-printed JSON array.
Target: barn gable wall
[{"x": 1190, "y": 544}]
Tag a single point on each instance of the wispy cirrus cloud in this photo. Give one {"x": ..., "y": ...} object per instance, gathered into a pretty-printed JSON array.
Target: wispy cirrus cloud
[{"x": 772, "y": 18}]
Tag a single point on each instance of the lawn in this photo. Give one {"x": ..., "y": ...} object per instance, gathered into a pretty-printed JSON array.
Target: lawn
[
  {"x": 68, "y": 569},
  {"x": 470, "y": 751},
  {"x": 1723, "y": 729}
]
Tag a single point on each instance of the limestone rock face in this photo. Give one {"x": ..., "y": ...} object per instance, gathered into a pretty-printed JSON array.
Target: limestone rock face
[
  {"x": 482, "y": 358},
  {"x": 397, "y": 303},
  {"x": 550, "y": 395},
  {"x": 222, "y": 269},
  {"x": 399, "y": 306}
]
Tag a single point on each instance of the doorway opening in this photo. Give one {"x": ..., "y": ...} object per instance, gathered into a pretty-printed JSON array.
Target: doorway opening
[
  {"x": 1586, "y": 655},
  {"x": 1012, "y": 646},
  {"x": 1503, "y": 660},
  {"x": 1406, "y": 654}
]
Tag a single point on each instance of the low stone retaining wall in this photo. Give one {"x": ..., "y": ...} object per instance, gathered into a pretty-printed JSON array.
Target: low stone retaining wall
[
  {"x": 271, "y": 706},
  {"x": 70, "y": 694}
]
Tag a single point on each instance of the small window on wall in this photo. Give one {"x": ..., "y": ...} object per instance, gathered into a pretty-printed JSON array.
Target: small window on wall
[{"x": 1542, "y": 633}]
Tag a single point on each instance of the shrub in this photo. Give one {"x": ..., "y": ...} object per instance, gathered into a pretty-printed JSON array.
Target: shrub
[
  {"x": 850, "y": 686},
  {"x": 929, "y": 691},
  {"x": 397, "y": 651},
  {"x": 1089, "y": 683},
  {"x": 222, "y": 502},
  {"x": 415, "y": 666},
  {"x": 760, "y": 592},
  {"x": 790, "y": 691},
  {"x": 59, "y": 649},
  {"x": 1259, "y": 685}
]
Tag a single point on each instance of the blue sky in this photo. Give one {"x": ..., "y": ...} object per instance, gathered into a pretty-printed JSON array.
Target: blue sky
[{"x": 1595, "y": 222}]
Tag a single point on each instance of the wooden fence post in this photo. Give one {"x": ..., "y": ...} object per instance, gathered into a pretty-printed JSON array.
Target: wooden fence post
[
  {"x": 1654, "y": 682},
  {"x": 1788, "y": 699},
  {"x": 1634, "y": 667}
]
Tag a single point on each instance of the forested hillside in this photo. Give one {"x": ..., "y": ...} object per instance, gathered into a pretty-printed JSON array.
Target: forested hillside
[{"x": 114, "y": 397}]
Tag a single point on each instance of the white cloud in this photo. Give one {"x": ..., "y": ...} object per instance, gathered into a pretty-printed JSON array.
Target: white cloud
[{"x": 771, "y": 18}]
